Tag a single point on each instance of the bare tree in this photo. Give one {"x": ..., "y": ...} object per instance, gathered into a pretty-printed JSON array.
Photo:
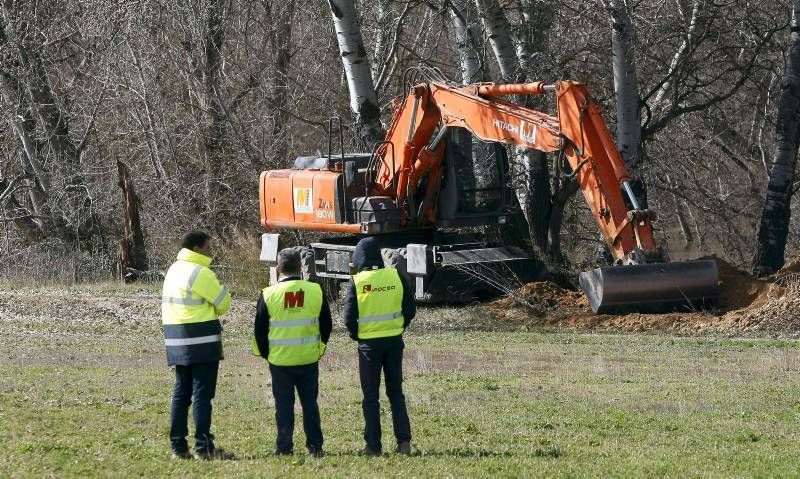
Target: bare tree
[
  {"x": 626, "y": 88},
  {"x": 281, "y": 40},
  {"x": 499, "y": 33},
  {"x": 363, "y": 100},
  {"x": 468, "y": 38},
  {"x": 774, "y": 228}
]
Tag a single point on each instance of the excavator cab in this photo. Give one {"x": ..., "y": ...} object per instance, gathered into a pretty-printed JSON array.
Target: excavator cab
[{"x": 475, "y": 187}]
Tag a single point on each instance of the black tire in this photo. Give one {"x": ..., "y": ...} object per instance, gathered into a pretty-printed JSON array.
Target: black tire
[{"x": 307, "y": 262}]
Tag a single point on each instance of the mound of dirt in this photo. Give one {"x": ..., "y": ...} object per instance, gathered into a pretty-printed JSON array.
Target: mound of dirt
[
  {"x": 745, "y": 304},
  {"x": 543, "y": 299},
  {"x": 738, "y": 289},
  {"x": 791, "y": 267}
]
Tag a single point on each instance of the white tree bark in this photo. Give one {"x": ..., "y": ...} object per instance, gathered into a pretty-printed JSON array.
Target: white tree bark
[
  {"x": 150, "y": 133},
  {"x": 467, "y": 30},
  {"x": 381, "y": 41},
  {"x": 22, "y": 124},
  {"x": 626, "y": 86},
  {"x": 363, "y": 100},
  {"x": 697, "y": 12},
  {"x": 498, "y": 30}
]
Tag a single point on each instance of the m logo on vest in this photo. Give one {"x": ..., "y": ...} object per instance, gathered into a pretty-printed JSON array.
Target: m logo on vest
[
  {"x": 294, "y": 299},
  {"x": 378, "y": 289}
]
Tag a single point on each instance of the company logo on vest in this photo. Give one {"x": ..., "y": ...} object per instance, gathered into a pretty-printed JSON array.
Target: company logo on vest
[
  {"x": 378, "y": 289},
  {"x": 293, "y": 299}
]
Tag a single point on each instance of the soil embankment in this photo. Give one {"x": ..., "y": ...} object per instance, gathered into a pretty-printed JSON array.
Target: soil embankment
[{"x": 745, "y": 304}]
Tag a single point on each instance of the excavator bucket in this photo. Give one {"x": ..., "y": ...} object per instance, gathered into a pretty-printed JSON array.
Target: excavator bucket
[{"x": 652, "y": 288}]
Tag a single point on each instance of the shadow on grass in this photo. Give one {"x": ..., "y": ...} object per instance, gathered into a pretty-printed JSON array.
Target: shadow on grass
[{"x": 455, "y": 453}]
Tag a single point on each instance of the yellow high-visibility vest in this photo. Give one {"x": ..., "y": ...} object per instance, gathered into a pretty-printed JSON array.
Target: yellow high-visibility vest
[
  {"x": 294, "y": 336},
  {"x": 379, "y": 293},
  {"x": 191, "y": 301}
]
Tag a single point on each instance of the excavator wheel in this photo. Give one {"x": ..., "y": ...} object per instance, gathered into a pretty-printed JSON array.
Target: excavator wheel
[
  {"x": 331, "y": 286},
  {"x": 652, "y": 288},
  {"x": 307, "y": 262}
]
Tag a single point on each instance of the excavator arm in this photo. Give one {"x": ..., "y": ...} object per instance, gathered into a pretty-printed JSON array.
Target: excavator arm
[
  {"x": 578, "y": 131},
  {"x": 644, "y": 280}
]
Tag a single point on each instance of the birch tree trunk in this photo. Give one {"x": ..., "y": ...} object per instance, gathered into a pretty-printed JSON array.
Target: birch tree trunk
[
  {"x": 24, "y": 126},
  {"x": 34, "y": 80},
  {"x": 541, "y": 201},
  {"x": 695, "y": 22},
  {"x": 31, "y": 94},
  {"x": 363, "y": 100},
  {"x": 530, "y": 166},
  {"x": 381, "y": 40},
  {"x": 467, "y": 33},
  {"x": 626, "y": 88},
  {"x": 498, "y": 31},
  {"x": 774, "y": 228}
]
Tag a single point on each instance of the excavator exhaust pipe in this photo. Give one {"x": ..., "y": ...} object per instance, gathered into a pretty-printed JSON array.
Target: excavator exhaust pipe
[{"x": 652, "y": 288}]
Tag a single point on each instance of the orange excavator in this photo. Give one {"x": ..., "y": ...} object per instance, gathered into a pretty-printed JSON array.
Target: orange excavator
[{"x": 424, "y": 189}]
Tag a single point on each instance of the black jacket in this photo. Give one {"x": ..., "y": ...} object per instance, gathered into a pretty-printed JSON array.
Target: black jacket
[
  {"x": 368, "y": 256},
  {"x": 261, "y": 326}
]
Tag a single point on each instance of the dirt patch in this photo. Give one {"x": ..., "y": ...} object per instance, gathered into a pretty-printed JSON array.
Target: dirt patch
[
  {"x": 745, "y": 304},
  {"x": 738, "y": 289}
]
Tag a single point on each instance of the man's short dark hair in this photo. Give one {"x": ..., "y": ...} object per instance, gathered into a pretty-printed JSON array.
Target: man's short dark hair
[
  {"x": 289, "y": 262},
  {"x": 194, "y": 239}
]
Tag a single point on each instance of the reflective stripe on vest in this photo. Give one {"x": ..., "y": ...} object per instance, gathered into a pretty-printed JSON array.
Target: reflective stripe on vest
[
  {"x": 293, "y": 342},
  {"x": 214, "y": 338},
  {"x": 294, "y": 337},
  {"x": 379, "y": 293},
  {"x": 178, "y": 304},
  {"x": 383, "y": 317},
  {"x": 192, "y": 332}
]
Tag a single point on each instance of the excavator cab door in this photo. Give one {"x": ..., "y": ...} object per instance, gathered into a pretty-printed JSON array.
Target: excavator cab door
[{"x": 475, "y": 187}]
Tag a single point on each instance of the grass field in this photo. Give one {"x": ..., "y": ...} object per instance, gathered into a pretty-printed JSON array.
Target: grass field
[{"x": 84, "y": 391}]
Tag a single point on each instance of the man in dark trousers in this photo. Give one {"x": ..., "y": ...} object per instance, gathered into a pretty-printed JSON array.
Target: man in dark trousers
[
  {"x": 191, "y": 302},
  {"x": 292, "y": 328},
  {"x": 378, "y": 307}
]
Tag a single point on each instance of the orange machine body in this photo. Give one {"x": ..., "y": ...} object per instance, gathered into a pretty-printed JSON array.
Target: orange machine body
[{"x": 303, "y": 199}]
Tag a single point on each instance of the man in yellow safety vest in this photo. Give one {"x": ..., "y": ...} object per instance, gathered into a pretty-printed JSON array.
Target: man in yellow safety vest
[
  {"x": 378, "y": 307},
  {"x": 292, "y": 327},
  {"x": 191, "y": 302}
]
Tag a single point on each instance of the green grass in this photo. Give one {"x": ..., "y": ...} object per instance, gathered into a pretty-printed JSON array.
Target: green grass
[{"x": 84, "y": 391}]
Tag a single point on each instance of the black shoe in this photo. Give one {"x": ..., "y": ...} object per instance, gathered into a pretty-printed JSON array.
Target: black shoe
[
  {"x": 404, "y": 448},
  {"x": 283, "y": 452},
  {"x": 316, "y": 451},
  {"x": 368, "y": 451},
  {"x": 214, "y": 454},
  {"x": 182, "y": 455}
]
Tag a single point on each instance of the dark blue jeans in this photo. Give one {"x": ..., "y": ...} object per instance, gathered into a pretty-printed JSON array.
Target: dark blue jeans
[
  {"x": 196, "y": 382},
  {"x": 374, "y": 356},
  {"x": 285, "y": 379}
]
